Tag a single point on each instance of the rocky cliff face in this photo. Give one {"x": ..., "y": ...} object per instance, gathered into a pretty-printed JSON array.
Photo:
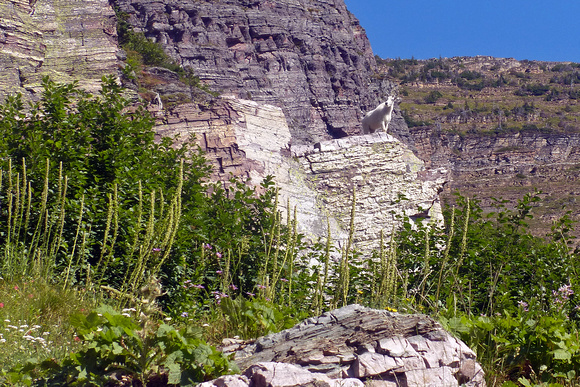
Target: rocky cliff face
[
  {"x": 311, "y": 58},
  {"x": 508, "y": 166},
  {"x": 251, "y": 140},
  {"x": 65, "y": 39},
  {"x": 291, "y": 73},
  {"x": 382, "y": 175}
]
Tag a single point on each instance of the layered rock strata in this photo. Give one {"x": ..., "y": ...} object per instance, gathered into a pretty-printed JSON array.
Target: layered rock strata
[
  {"x": 508, "y": 166},
  {"x": 381, "y": 174},
  {"x": 252, "y": 140},
  {"x": 67, "y": 40},
  {"x": 355, "y": 345},
  {"x": 311, "y": 58}
]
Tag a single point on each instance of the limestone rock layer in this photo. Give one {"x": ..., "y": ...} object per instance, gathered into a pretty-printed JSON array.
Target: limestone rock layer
[{"x": 65, "y": 39}]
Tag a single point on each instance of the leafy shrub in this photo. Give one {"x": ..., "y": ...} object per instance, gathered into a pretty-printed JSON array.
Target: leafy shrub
[
  {"x": 433, "y": 96},
  {"x": 120, "y": 348},
  {"x": 479, "y": 251},
  {"x": 90, "y": 164},
  {"x": 529, "y": 342},
  {"x": 115, "y": 194},
  {"x": 470, "y": 75},
  {"x": 533, "y": 89}
]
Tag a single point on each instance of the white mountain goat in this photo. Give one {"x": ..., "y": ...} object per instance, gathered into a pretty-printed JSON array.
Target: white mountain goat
[{"x": 378, "y": 118}]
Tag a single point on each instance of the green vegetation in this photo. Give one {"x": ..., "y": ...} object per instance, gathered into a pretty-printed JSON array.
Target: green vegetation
[
  {"x": 120, "y": 260},
  {"x": 142, "y": 51},
  {"x": 499, "y": 85}
]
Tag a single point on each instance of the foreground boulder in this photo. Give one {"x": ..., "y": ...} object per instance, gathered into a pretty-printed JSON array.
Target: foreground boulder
[{"x": 355, "y": 346}]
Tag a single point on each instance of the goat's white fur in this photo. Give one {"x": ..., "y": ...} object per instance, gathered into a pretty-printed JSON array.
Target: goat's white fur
[{"x": 378, "y": 118}]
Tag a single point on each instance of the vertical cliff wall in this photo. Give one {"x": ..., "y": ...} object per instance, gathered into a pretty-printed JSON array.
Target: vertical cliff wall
[
  {"x": 508, "y": 166},
  {"x": 252, "y": 140},
  {"x": 309, "y": 57},
  {"x": 65, "y": 39}
]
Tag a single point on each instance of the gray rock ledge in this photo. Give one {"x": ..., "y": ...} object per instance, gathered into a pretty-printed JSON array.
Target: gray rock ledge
[{"x": 355, "y": 346}]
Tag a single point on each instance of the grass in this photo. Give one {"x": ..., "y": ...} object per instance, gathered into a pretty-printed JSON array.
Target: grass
[{"x": 34, "y": 319}]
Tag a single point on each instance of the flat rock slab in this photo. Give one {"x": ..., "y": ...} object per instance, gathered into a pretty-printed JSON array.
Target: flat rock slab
[{"x": 358, "y": 344}]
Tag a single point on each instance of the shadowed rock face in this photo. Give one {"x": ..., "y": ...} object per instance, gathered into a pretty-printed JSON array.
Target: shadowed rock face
[
  {"x": 355, "y": 345},
  {"x": 311, "y": 58}
]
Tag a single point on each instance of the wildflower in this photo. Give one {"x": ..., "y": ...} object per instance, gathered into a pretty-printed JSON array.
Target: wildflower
[
  {"x": 1, "y": 305},
  {"x": 31, "y": 296},
  {"x": 566, "y": 291},
  {"x": 250, "y": 294},
  {"x": 156, "y": 250},
  {"x": 219, "y": 295},
  {"x": 184, "y": 314},
  {"x": 260, "y": 286},
  {"x": 359, "y": 291},
  {"x": 198, "y": 286},
  {"x": 186, "y": 281},
  {"x": 218, "y": 254},
  {"x": 283, "y": 280},
  {"x": 233, "y": 287},
  {"x": 523, "y": 305},
  {"x": 125, "y": 314},
  {"x": 219, "y": 271},
  {"x": 15, "y": 287},
  {"x": 207, "y": 246},
  {"x": 76, "y": 338}
]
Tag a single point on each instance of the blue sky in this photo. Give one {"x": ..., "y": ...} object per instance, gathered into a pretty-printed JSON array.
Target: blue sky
[{"x": 531, "y": 29}]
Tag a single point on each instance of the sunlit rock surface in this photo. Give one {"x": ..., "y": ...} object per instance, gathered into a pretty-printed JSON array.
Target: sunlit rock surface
[{"x": 356, "y": 346}]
